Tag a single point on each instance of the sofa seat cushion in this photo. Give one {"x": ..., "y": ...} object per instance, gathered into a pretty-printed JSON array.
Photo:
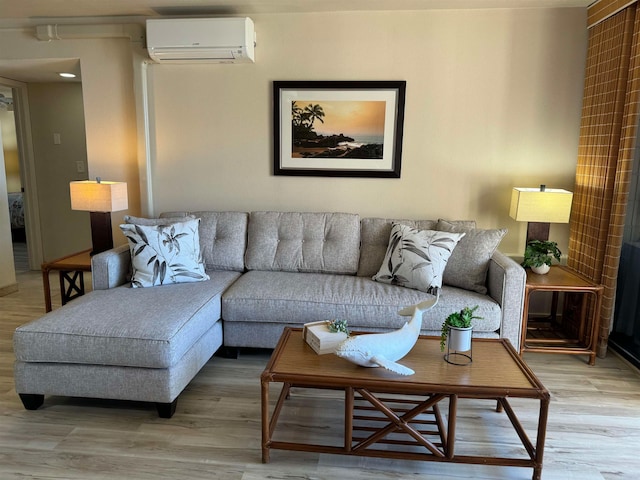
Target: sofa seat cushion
[
  {"x": 297, "y": 298},
  {"x": 143, "y": 327}
]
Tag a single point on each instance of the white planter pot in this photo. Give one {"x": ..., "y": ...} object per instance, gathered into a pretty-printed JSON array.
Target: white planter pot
[
  {"x": 459, "y": 339},
  {"x": 541, "y": 270}
]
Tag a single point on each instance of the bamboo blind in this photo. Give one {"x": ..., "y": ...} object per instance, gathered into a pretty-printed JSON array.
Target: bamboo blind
[
  {"x": 603, "y": 9},
  {"x": 605, "y": 154}
]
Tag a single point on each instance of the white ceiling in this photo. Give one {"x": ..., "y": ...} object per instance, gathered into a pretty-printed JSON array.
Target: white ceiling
[
  {"x": 29, "y": 13},
  {"x": 40, "y": 70}
]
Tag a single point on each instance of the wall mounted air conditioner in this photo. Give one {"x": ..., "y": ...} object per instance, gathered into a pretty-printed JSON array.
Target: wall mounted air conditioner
[{"x": 201, "y": 40}]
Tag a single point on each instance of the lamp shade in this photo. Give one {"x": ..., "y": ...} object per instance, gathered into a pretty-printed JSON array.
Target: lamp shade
[
  {"x": 95, "y": 196},
  {"x": 553, "y": 205}
]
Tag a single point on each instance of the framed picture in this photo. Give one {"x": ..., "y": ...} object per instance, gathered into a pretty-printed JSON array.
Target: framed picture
[{"x": 338, "y": 128}]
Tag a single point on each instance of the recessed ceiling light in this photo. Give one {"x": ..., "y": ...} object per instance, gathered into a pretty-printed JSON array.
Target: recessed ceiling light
[{"x": 67, "y": 75}]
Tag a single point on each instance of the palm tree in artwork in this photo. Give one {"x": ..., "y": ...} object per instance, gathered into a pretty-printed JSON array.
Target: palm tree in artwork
[
  {"x": 314, "y": 112},
  {"x": 302, "y": 120},
  {"x": 296, "y": 114}
]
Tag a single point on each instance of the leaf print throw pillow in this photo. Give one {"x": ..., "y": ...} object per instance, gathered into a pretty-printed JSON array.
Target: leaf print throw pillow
[
  {"x": 416, "y": 258},
  {"x": 164, "y": 254}
]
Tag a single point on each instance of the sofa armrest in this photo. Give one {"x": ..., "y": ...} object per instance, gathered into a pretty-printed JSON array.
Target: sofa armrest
[
  {"x": 111, "y": 268},
  {"x": 505, "y": 282}
]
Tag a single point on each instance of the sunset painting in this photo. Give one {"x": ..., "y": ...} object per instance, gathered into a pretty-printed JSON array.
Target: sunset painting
[{"x": 338, "y": 129}]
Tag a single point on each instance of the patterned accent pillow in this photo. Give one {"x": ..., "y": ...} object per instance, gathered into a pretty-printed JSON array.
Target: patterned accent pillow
[
  {"x": 164, "y": 254},
  {"x": 416, "y": 258}
]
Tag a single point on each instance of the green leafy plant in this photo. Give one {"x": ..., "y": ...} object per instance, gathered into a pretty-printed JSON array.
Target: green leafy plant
[
  {"x": 461, "y": 319},
  {"x": 538, "y": 253},
  {"x": 339, "y": 325}
]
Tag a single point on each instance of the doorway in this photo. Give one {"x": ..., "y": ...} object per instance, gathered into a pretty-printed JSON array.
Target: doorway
[
  {"x": 15, "y": 190},
  {"x": 51, "y": 149}
]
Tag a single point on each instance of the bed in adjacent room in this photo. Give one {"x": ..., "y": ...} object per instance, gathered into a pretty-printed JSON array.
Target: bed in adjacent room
[{"x": 16, "y": 215}]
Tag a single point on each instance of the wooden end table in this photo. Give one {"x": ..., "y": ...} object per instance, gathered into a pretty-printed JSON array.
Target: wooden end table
[
  {"x": 562, "y": 279},
  {"x": 71, "y": 268},
  {"x": 380, "y": 405}
]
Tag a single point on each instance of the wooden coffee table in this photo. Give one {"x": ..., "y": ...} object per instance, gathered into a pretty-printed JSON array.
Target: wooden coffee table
[{"x": 380, "y": 406}]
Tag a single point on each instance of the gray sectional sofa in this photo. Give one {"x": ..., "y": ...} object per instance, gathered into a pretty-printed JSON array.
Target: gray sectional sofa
[{"x": 267, "y": 270}]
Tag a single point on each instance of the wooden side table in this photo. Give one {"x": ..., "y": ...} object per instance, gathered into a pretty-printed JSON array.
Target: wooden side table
[
  {"x": 71, "y": 268},
  {"x": 563, "y": 279}
]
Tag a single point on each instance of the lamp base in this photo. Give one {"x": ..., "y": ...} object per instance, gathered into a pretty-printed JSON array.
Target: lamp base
[
  {"x": 538, "y": 231},
  {"x": 101, "y": 233}
]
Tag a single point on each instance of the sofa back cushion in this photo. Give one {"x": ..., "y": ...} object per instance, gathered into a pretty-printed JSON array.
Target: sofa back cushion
[
  {"x": 375, "y": 233},
  {"x": 303, "y": 242},
  {"x": 223, "y": 238},
  {"x": 469, "y": 263}
]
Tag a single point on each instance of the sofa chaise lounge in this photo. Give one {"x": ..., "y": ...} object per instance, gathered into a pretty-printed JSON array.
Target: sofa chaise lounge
[{"x": 266, "y": 270}]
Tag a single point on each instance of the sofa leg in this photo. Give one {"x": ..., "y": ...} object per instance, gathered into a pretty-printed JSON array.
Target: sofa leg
[
  {"x": 228, "y": 352},
  {"x": 31, "y": 401},
  {"x": 166, "y": 410}
]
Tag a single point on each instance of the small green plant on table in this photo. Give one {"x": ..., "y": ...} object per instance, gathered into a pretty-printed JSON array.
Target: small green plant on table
[
  {"x": 461, "y": 319},
  {"x": 538, "y": 253}
]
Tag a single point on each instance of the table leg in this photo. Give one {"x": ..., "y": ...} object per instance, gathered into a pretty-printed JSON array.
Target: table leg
[
  {"x": 595, "y": 322},
  {"x": 63, "y": 293},
  {"x": 348, "y": 418},
  {"x": 47, "y": 289},
  {"x": 266, "y": 438},
  {"x": 75, "y": 281},
  {"x": 554, "y": 307},
  {"x": 542, "y": 432},
  {"x": 525, "y": 322},
  {"x": 451, "y": 430},
  {"x": 583, "y": 319}
]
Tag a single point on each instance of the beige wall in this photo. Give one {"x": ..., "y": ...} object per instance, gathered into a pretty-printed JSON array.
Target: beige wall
[
  {"x": 58, "y": 108},
  {"x": 109, "y": 115},
  {"x": 493, "y": 101}
]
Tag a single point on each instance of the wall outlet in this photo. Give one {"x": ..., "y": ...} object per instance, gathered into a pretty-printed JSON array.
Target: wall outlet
[
  {"x": 56, "y": 139},
  {"x": 80, "y": 166}
]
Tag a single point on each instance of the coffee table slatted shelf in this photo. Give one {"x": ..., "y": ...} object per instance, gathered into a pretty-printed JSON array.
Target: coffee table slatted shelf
[{"x": 391, "y": 416}]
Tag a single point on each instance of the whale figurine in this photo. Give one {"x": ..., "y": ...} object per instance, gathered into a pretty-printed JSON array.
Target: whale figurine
[{"x": 385, "y": 349}]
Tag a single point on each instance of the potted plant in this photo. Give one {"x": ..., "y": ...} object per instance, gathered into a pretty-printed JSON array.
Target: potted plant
[
  {"x": 458, "y": 327},
  {"x": 338, "y": 325},
  {"x": 539, "y": 254}
]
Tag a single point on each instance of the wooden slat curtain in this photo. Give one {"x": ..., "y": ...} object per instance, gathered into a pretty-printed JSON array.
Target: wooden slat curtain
[
  {"x": 603, "y": 9},
  {"x": 605, "y": 155}
]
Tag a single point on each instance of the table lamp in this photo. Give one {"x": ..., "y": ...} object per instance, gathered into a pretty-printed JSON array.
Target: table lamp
[
  {"x": 99, "y": 199},
  {"x": 540, "y": 207}
]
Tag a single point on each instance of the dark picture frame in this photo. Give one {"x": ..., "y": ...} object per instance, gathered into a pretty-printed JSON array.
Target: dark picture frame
[{"x": 338, "y": 128}]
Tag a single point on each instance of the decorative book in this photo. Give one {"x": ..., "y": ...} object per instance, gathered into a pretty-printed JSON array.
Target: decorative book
[{"x": 320, "y": 339}]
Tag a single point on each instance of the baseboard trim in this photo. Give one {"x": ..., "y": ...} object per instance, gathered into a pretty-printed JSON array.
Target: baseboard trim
[
  {"x": 625, "y": 357},
  {"x": 13, "y": 288}
]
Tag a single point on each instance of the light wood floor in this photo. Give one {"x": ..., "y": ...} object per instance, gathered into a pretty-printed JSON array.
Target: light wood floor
[
  {"x": 20, "y": 257},
  {"x": 593, "y": 429}
]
